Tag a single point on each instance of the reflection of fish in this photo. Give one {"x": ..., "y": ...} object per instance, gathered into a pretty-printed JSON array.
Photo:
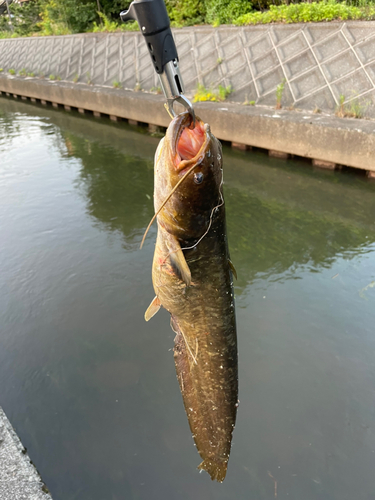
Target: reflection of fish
[{"x": 192, "y": 277}]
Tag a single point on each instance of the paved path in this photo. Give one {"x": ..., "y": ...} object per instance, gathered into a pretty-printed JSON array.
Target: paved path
[{"x": 19, "y": 480}]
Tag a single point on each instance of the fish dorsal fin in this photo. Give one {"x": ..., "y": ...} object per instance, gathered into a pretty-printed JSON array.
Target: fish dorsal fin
[
  {"x": 153, "y": 308},
  {"x": 232, "y": 268},
  {"x": 177, "y": 258}
]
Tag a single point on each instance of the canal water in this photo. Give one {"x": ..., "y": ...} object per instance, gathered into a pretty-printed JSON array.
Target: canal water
[{"x": 91, "y": 388}]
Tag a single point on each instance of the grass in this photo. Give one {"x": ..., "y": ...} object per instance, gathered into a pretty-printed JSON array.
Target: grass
[
  {"x": 279, "y": 94},
  {"x": 22, "y": 72},
  {"x": 204, "y": 94},
  {"x": 52, "y": 77},
  {"x": 31, "y": 74},
  {"x": 108, "y": 26},
  {"x": 351, "y": 109},
  {"x": 116, "y": 84},
  {"x": 328, "y": 10},
  {"x": 155, "y": 90},
  {"x": 12, "y": 71},
  {"x": 76, "y": 77}
]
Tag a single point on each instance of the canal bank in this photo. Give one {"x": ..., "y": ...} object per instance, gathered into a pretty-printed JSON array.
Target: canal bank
[
  {"x": 328, "y": 141},
  {"x": 19, "y": 478}
]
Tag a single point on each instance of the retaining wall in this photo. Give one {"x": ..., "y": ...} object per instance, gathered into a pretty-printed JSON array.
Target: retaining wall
[
  {"x": 328, "y": 141},
  {"x": 319, "y": 61}
]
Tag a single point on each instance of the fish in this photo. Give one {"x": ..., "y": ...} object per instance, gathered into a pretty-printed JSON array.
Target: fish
[{"x": 193, "y": 280}]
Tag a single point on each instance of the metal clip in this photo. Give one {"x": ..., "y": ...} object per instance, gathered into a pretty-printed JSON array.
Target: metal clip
[{"x": 182, "y": 100}]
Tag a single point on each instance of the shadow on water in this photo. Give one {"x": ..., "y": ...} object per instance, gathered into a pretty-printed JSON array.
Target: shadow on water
[
  {"x": 312, "y": 216},
  {"x": 278, "y": 218},
  {"x": 91, "y": 388}
]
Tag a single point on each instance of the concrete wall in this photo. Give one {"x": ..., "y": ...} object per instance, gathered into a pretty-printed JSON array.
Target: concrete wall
[
  {"x": 328, "y": 141},
  {"x": 319, "y": 61}
]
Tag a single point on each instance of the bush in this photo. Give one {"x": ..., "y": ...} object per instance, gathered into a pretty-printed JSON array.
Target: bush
[
  {"x": 226, "y": 11},
  {"x": 308, "y": 12},
  {"x": 26, "y": 17},
  {"x": 204, "y": 94},
  {"x": 60, "y": 17},
  {"x": 186, "y": 12}
]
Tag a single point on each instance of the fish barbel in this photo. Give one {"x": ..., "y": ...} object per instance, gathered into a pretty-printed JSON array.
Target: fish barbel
[{"x": 192, "y": 279}]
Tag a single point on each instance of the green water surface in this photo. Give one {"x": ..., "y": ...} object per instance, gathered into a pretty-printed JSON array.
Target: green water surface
[{"x": 91, "y": 388}]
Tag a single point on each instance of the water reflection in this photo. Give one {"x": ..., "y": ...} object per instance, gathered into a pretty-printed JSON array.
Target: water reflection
[
  {"x": 274, "y": 226},
  {"x": 91, "y": 387}
]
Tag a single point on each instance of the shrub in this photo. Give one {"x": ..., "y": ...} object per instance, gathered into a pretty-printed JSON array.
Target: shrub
[
  {"x": 204, "y": 94},
  {"x": 327, "y": 10},
  {"x": 60, "y": 17},
  {"x": 226, "y": 11}
]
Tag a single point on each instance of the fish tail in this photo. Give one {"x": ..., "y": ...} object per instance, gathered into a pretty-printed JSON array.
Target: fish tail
[{"x": 217, "y": 469}]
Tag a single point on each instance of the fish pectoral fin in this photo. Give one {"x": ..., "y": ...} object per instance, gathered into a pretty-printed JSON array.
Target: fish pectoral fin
[
  {"x": 232, "y": 268},
  {"x": 178, "y": 260},
  {"x": 153, "y": 308}
]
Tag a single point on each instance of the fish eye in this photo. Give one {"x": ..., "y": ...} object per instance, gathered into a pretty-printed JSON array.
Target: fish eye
[{"x": 198, "y": 177}]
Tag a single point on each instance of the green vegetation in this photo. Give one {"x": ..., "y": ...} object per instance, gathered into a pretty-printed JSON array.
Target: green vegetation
[
  {"x": 22, "y": 72},
  {"x": 52, "y": 77},
  {"x": 116, "y": 84},
  {"x": 1, "y": 70},
  {"x": 203, "y": 94},
  {"x": 76, "y": 77},
  {"x": 327, "y": 10},
  {"x": 351, "y": 109},
  {"x": 31, "y": 74},
  {"x": 279, "y": 93},
  {"x": 155, "y": 90},
  {"x": 12, "y": 71},
  {"x": 60, "y": 17}
]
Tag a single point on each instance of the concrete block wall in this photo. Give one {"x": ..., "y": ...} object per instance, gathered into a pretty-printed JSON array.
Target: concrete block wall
[{"x": 319, "y": 62}]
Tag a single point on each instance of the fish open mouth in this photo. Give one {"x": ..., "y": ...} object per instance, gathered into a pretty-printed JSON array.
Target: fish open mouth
[{"x": 189, "y": 142}]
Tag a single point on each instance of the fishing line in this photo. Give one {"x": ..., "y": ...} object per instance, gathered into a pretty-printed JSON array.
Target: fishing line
[
  {"x": 165, "y": 201},
  {"x": 212, "y": 213},
  {"x": 209, "y": 225}
]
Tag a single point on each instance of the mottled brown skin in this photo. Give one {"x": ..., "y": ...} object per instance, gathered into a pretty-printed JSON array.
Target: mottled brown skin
[{"x": 202, "y": 314}]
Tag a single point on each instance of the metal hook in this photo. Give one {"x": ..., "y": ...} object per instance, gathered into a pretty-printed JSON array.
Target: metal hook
[{"x": 182, "y": 100}]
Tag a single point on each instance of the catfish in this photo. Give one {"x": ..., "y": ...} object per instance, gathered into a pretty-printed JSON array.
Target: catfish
[{"x": 193, "y": 280}]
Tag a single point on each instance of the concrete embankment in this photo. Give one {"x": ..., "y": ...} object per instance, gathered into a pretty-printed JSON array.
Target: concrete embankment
[
  {"x": 320, "y": 64},
  {"x": 18, "y": 477},
  {"x": 328, "y": 141}
]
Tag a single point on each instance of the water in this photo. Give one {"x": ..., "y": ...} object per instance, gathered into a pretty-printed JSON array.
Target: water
[{"x": 91, "y": 387}]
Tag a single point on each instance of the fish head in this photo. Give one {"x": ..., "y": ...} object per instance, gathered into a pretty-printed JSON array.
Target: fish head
[{"x": 188, "y": 164}]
